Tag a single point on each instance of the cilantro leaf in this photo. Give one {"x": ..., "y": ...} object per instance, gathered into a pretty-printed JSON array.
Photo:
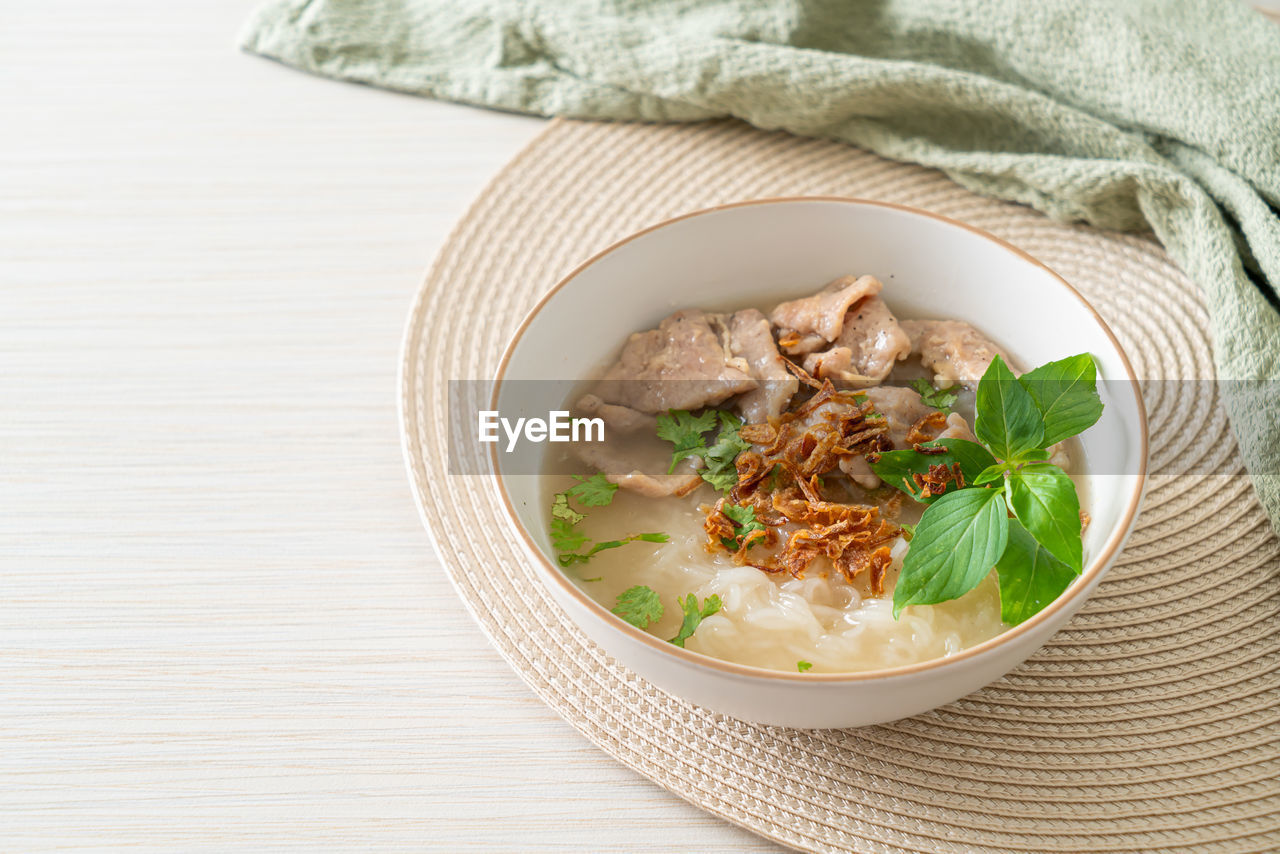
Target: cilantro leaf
[
  {"x": 1066, "y": 393},
  {"x": 561, "y": 510},
  {"x": 743, "y": 517},
  {"x": 594, "y": 491},
  {"x": 908, "y": 531},
  {"x": 721, "y": 471},
  {"x": 685, "y": 430},
  {"x": 639, "y": 606},
  {"x": 1008, "y": 421},
  {"x": 1044, "y": 499},
  {"x": 693, "y": 616},
  {"x": 939, "y": 398},
  {"x": 566, "y": 538},
  {"x": 957, "y": 542},
  {"x": 802, "y": 666},
  {"x": 567, "y": 560},
  {"x": 896, "y": 467},
  {"x": 1030, "y": 577}
]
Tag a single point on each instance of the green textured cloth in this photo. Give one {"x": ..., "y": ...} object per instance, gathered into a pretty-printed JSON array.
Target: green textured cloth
[{"x": 1128, "y": 114}]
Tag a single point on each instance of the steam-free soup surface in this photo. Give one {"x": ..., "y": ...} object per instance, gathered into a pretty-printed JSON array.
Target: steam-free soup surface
[{"x": 821, "y": 614}]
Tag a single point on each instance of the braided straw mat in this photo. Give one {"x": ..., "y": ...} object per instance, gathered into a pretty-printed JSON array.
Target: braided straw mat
[{"x": 1151, "y": 723}]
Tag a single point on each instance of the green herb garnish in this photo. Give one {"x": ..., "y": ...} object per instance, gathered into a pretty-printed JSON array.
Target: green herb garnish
[
  {"x": 639, "y": 606},
  {"x": 721, "y": 470},
  {"x": 694, "y": 615},
  {"x": 898, "y": 468},
  {"x": 802, "y": 666},
  {"x": 743, "y": 517},
  {"x": 967, "y": 530},
  {"x": 685, "y": 431},
  {"x": 594, "y": 491},
  {"x": 938, "y": 398},
  {"x": 569, "y": 559},
  {"x": 1030, "y": 578},
  {"x": 567, "y": 540}
]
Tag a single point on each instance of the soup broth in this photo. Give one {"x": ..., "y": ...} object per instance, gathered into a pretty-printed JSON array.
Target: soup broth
[{"x": 821, "y": 619}]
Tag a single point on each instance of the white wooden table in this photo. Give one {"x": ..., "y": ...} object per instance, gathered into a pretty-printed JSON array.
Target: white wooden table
[{"x": 221, "y": 625}]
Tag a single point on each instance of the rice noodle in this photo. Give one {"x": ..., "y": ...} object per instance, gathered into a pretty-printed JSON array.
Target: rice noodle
[{"x": 772, "y": 621}]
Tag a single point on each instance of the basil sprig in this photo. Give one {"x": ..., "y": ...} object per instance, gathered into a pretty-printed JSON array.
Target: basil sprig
[{"x": 1015, "y": 512}]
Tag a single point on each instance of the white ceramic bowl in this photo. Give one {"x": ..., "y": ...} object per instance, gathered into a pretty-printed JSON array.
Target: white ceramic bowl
[{"x": 755, "y": 252}]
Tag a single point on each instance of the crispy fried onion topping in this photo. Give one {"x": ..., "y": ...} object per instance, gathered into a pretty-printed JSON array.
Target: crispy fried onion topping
[
  {"x": 807, "y": 448},
  {"x": 927, "y": 429},
  {"x": 939, "y": 475},
  {"x": 853, "y": 537},
  {"x": 780, "y": 480}
]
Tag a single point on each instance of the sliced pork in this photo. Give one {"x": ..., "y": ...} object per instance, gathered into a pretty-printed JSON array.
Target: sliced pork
[
  {"x": 869, "y": 345},
  {"x": 621, "y": 467},
  {"x": 901, "y": 407},
  {"x": 804, "y": 325},
  {"x": 750, "y": 337},
  {"x": 957, "y": 428},
  {"x": 621, "y": 419},
  {"x": 632, "y": 455},
  {"x": 953, "y": 350},
  {"x": 683, "y": 364}
]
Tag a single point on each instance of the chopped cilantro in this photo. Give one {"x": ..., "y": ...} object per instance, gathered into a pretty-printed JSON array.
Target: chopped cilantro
[
  {"x": 567, "y": 560},
  {"x": 594, "y": 491},
  {"x": 567, "y": 540},
  {"x": 802, "y": 666},
  {"x": 693, "y": 616},
  {"x": 721, "y": 470},
  {"x": 639, "y": 606},
  {"x": 684, "y": 430},
  {"x": 743, "y": 517},
  {"x": 938, "y": 398},
  {"x": 908, "y": 530},
  {"x": 560, "y": 509}
]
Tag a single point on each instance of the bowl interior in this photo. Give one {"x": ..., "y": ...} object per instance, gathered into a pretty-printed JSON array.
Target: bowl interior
[{"x": 758, "y": 253}]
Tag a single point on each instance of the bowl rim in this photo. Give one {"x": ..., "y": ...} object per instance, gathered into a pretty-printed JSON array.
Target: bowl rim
[{"x": 1095, "y": 568}]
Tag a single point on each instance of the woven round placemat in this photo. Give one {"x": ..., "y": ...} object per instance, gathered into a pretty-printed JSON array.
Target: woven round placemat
[{"x": 1151, "y": 723}]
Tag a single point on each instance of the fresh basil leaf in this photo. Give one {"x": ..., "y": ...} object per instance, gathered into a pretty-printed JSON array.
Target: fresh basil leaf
[
  {"x": 990, "y": 474},
  {"x": 896, "y": 467},
  {"x": 1044, "y": 499},
  {"x": 1007, "y": 421},
  {"x": 1066, "y": 393},
  {"x": 1030, "y": 577},
  {"x": 957, "y": 542}
]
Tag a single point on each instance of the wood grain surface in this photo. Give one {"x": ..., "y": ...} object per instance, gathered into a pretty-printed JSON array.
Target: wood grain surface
[{"x": 222, "y": 624}]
